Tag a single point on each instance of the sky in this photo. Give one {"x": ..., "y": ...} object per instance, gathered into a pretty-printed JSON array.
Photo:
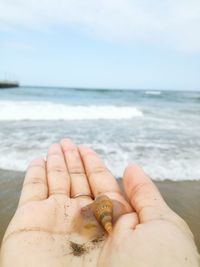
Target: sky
[{"x": 126, "y": 44}]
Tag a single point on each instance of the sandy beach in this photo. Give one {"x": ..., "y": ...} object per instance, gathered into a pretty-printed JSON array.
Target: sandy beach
[{"x": 183, "y": 197}]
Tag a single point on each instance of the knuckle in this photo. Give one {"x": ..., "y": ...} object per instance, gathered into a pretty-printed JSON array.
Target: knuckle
[
  {"x": 54, "y": 156},
  {"x": 99, "y": 170},
  {"x": 142, "y": 187},
  {"x": 56, "y": 169},
  {"x": 57, "y": 191},
  {"x": 34, "y": 180},
  {"x": 76, "y": 170}
]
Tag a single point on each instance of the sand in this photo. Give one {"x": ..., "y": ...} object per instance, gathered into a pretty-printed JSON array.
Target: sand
[{"x": 183, "y": 197}]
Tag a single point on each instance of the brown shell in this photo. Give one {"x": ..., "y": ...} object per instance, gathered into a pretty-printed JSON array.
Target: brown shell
[{"x": 102, "y": 208}]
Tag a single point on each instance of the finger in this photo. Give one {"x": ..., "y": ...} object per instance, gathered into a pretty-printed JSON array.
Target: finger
[
  {"x": 57, "y": 173},
  {"x": 143, "y": 194},
  {"x": 100, "y": 179},
  {"x": 35, "y": 184},
  {"x": 127, "y": 221},
  {"x": 79, "y": 182}
]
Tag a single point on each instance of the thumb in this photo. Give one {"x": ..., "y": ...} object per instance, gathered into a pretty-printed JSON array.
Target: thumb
[{"x": 144, "y": 195}]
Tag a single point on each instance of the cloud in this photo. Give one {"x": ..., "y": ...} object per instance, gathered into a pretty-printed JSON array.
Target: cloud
[
  {"x": 25, "y": 46},
  {"x": 173, "y": 23}
]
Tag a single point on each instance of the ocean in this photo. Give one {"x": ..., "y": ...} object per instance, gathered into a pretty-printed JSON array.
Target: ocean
[{"x": 159, "y": 130}]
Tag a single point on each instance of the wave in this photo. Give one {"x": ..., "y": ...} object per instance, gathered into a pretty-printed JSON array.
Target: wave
[
  {"x": 158, "y": 167},
  {"x": 153, "y": 92},
  {"x": 32, "y": 110}
]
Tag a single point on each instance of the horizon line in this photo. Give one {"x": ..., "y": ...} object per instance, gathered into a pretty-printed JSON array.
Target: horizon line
[
  {"x": 106, "y": 89},
  {"x": 88, "y": 88}
]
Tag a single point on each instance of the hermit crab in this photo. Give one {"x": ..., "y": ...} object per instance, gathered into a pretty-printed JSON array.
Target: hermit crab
[{"x": 102, "y": 208}]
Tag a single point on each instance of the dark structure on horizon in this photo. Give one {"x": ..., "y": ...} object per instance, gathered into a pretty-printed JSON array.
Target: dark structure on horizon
[{"x": 8, "y": 84}]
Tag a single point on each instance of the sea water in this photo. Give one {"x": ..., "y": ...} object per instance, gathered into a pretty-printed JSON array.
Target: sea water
[{"x": 159, "y": 130}]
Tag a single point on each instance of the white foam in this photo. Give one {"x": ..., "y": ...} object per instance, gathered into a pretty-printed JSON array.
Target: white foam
[
  {"x": 14, "y": 162},
  {"x": 153, "y": 92},
  {"x": 30, "y": 110},
  {"x": 157, "y": 167}
]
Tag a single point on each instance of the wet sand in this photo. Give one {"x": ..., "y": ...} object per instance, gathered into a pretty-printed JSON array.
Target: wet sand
[{"x": 183, "y": 197}]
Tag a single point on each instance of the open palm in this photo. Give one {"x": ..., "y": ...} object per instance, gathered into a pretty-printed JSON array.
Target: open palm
[{"x": 48, "y": 230}]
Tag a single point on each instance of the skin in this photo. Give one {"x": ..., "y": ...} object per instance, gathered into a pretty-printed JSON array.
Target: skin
[{"x": 45, "y": 230}]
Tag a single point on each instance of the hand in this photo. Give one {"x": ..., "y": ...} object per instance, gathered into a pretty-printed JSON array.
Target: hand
[
  {"x": 159, "y": 238},
  {"x": 45, "y": 228},
  {"x": 43, "y": 231}
]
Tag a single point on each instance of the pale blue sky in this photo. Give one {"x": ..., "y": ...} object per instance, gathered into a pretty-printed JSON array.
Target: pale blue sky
[{"x": 108, "y": 44}]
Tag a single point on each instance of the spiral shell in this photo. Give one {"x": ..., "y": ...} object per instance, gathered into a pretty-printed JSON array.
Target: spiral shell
[{"x": 102, "y": 208}]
